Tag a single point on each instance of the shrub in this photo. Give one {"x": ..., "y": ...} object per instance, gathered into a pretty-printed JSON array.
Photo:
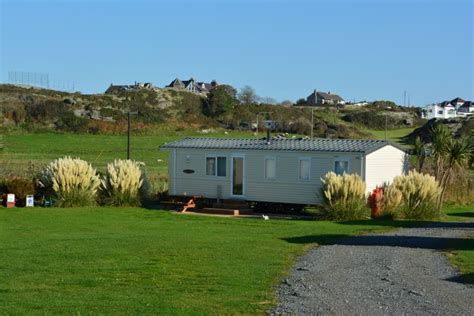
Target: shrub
[
  {"x": 419, "y": 195},
  {"x": 21, "y": 187},
  {"x": 344, "y": 196},
  {"x": 73, "y": 182},
  {"x": 124, "y": 183}
]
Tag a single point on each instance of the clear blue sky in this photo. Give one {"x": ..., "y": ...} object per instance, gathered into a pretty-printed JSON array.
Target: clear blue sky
[{"x": 284, "y": 49}]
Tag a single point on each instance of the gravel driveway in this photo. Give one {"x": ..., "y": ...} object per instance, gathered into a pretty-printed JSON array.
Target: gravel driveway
[{"x": 401, "y": 272}]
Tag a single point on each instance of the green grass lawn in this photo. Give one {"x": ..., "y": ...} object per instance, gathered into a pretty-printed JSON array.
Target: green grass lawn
[
  {"x": 135, "y": 261},
  {"x": 22, "y": 148},
  {"x": 138, "y": 261},
  {"x": 393, "y": 135},
  {"x": 463, "y": 259}
]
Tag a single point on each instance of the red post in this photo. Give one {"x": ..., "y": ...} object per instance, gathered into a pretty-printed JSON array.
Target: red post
[{"x": 375, "y": 202}]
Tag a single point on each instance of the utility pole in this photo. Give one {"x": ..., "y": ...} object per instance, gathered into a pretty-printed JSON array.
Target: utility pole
[
  {"x": 258, "y": 114},
  {"x": 129, "y": 133},
  {"x": 312, "y": 121},
  {"x": 386, "y": 116},
  {"x": 404, "y": 98}
]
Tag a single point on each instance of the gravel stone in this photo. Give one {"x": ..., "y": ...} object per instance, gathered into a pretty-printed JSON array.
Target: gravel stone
[{"x": 396, "y": 273}]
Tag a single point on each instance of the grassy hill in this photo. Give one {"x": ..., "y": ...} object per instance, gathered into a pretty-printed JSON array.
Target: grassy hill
[{"x": 35, "y": 110}]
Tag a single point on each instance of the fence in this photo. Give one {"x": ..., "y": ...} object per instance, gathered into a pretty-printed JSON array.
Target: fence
[{"x": 40, "y": 80}]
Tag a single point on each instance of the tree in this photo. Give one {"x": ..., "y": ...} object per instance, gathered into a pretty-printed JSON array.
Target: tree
[
  {"x": 441, "y": 136},
  {"x": 420, "y": 153},
  {"x": 448, "y": 153},
  {"x": 268, "y": 100},
  {"x": 286, "y": 103},
  {"x": 248, "y": 96},
  {"x": 220, "y": 100},
  {"x": 301, "y": 101},
  {"x": 458, "y": 153}
]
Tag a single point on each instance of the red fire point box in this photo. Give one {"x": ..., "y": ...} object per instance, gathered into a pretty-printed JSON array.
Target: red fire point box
[{"x": 10, "y": 200}]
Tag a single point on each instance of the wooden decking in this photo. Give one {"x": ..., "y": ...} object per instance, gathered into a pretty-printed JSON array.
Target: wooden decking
[{"x": 195, "y": 205}]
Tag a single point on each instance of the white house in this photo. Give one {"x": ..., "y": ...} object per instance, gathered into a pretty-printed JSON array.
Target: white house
[
  {"x": 449, "y": 109},
  {"x": 457, "y": 102},
  {"x": 467, "y": 108},
  {"x": 441, "y": 110},
  {"x": 277, "y": 170}
]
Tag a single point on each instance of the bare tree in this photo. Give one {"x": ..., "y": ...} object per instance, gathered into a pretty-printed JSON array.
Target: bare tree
[
  {"x": 268, "y": 100},
  {"x": 247, "y": 95}
]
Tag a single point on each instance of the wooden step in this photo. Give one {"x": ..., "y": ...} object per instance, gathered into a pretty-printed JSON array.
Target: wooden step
[{"x": 231, "y": 204}]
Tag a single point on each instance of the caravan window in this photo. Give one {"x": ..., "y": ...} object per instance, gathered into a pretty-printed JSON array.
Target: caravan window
[
  {"x": 216, "y": 166},
  {"x": 210, "y": 166},
  {"x": 341, "y": 167},
  {"x": 270, "y": 168},
  {"x": 304, "y": 169}
]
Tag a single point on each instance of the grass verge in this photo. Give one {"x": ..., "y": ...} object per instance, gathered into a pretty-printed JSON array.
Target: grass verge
[{"x": 463, "y": 259}]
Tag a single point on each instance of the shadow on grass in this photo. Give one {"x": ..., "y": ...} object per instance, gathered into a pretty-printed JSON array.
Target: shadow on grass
[
  {"x": 467, "y": 278},
  {"x": 463, "y": 214},
  {"x": 423, "y": 242},
  {"x": 412, "y": 224}
]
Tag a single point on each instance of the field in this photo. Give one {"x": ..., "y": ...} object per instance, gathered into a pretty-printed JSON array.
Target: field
[
  {"x": 32, "y": 150},
  {"x": 394, "y": 135},
  {"x": 23, "y": 150}
]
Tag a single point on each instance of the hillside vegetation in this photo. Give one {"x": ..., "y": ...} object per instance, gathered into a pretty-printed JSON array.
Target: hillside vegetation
[{"x": 35, "y": 110}]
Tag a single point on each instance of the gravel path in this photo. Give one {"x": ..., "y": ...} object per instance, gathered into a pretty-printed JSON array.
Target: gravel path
[{"x": 396, "y": 273}]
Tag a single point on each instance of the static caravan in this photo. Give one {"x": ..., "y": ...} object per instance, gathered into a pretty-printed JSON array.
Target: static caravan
[{"x": 277, "y": 170}]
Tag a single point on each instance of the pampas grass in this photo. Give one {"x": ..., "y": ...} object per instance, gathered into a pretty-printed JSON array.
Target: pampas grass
[
  {"x": 73, "y": 182},
  {"x": 124, "y": 183},
  {"x": 419, "y": 195},
  {"x": 392, "y": 201},
  {"x": 344, "y": 196}
]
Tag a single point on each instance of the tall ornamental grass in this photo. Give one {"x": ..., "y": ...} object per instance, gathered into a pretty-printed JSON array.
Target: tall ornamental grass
[
  {"x": 419, "y": 194},
  {"x": 72, "y": 182},
  {"x": 344, "y": 196},
  {"x": 124, "y": 183},
  {"x": 392, "y": 201}
]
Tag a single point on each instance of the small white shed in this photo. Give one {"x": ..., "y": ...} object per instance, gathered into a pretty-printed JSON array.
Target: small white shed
[{"x": 276, "y": 171}]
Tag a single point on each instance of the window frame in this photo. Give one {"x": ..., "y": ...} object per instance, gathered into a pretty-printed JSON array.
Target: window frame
[
  {"x": 344, "y": 160},
  {"x": 216, "y": 168},
  {"x": 265, "y": 176},
  {"x": 299, "y": 169}
]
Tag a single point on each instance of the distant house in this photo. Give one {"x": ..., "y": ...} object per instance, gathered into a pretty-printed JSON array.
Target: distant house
[
  {"x": 467, "y": 108},
  {"x": 361, "y": 103},
  {"x": 449, "y": 109},
  {"x": 457, "y": 102},
  {"x": 441, "y": 110},
  {"x": 137, "y": 85},
  {"x": 192, "y": 85},
  {"x": 322, "y": 98}
]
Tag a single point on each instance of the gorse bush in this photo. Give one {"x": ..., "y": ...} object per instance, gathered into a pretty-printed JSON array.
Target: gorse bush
[
  {"x": 124, "y": 183},
  {"x": 73, "y": 182},
  {"x": 344, "y": 196},
  {"x": 419, "y": 195}
]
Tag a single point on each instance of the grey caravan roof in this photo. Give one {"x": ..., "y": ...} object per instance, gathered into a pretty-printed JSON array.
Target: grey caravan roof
[{"x": 365, "y": 146}]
